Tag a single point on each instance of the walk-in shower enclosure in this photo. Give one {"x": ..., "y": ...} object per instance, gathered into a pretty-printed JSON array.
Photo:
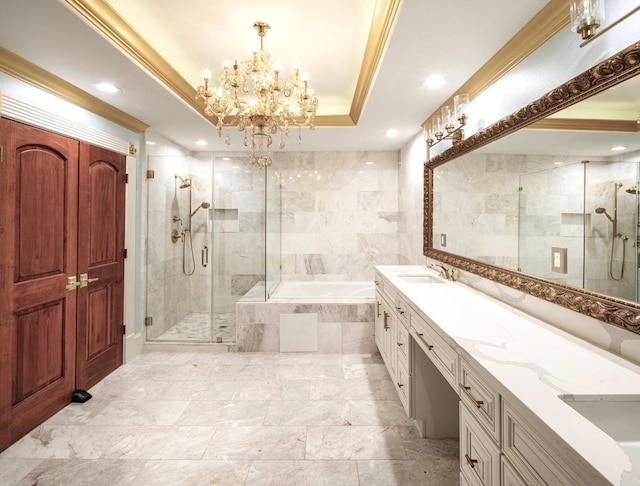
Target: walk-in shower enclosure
[{"x": 213, "y": 238}]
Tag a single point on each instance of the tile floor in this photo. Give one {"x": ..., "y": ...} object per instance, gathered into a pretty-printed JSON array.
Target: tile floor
[{"x": 198, "y": 418}]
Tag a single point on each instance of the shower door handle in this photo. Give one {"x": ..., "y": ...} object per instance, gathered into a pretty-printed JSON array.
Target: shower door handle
[{"x": 205, "y": 256}]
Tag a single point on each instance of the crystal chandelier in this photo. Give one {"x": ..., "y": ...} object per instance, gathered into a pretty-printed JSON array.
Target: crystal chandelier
[{"x": 269, "y": 111}]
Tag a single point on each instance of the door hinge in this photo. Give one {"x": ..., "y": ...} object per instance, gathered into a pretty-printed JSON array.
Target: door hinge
[
  {"x": 124, "y": 253},
  {"x": 1, "y": 153},
  {"x": 148, "y": 321},
  {"x": 151, "y": 174},
  {"x": 126, "y": 178},
  {"x": 124, "y": 329}
]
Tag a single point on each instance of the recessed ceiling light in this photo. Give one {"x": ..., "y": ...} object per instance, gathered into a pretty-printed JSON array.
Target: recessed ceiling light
[
  {"x": 149, "y": 142},
  {"x": 201, "y": 142},
  {"x": 391, "y": 132},
  {"x": 434, "y": 81},
  {"x": 618, "y": 148},
  {"x": 369, "y": 163},
  {"x": 108, "y": 88}
]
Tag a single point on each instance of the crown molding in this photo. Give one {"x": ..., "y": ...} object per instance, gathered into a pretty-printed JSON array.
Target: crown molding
[
  {"x": 28, "y": 72},
  {"x": 383, "y": 19},
  {"x": 545, "y": 24},
  {"x": 104, "y": 18},
  {"x": 586, "y": 124}
]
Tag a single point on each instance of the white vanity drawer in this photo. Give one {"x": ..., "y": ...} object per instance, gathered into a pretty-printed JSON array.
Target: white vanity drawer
[
  {"x": 402, "y": 310},
  {"x": 482, "y": 399},
  {"x": 532, "y": 456},
  {"x": 438, "y": 351},
  {"x": 479, "y": 455}
]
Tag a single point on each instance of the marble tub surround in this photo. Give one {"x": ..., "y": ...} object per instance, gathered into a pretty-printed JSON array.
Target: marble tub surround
[
  {"x": 531, "y": 363},
  {"x": 342, "y": 327},
  {"x": 196, "y": 418}
]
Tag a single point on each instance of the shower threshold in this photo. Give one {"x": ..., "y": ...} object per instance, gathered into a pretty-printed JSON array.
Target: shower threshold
[{"x": 196, "y": 328}]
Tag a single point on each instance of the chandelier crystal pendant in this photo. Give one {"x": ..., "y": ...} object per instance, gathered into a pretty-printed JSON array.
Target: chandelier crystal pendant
[{"x": 274, "y": 106}]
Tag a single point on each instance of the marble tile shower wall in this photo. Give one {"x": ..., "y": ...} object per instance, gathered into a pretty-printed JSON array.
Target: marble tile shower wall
[{"x": 340, "y": 214}]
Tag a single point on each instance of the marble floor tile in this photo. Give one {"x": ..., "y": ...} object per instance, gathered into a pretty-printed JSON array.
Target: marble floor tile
[
  {"x": 80, "y": 472},
  {"x": 161, "y": 442},
  {"x": 429, "y": 472},
  {"x": 193, "y": 473},
  {"x": 12, "y": 469},
  {"x": 273, "y": 390},
  {"x": 299, "y": 412},
  {"x": 354, "y": 443},
  {"x": 206, "y": 418},
  {"x": 378, "y": 412},
  {"x": 273, "y": 442},
  {"x": 341, "y": 389},
  {"x": 65, "y": 442},
  {"x": 126, "y": 412},
  {"x": 299, "y": 473},
  {"x": 221, "y": 412}
]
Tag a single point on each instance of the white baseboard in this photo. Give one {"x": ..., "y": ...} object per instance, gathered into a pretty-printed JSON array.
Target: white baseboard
[{"x": 132, "y": 346}]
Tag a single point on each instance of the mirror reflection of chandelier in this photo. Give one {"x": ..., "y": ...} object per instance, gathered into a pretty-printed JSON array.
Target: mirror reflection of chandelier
[{"x": 277, "y": 104}]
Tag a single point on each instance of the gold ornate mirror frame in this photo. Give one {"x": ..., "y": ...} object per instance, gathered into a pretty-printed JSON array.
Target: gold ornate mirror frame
[{"x": 610, "y": 72}]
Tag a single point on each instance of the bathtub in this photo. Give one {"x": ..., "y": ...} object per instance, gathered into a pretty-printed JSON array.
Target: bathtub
[{"x": 311, "y": 291}]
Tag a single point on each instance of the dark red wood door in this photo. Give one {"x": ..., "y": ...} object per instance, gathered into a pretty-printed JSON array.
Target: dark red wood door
[
  {"x": 101, "y": 220},
  {"x": 38, "y": 253}
]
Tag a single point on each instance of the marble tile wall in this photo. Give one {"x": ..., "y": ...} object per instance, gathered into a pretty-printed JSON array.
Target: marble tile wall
[
  {"x": 411, "y": 202},
  {"x": 340, "y": 214}
]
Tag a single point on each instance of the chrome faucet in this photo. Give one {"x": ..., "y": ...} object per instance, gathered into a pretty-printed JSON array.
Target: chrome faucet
[{"x": 444, "y": 272}]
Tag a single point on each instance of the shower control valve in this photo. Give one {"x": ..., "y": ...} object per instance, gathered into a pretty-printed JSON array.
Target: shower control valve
[{"x": 176, "y": 236}]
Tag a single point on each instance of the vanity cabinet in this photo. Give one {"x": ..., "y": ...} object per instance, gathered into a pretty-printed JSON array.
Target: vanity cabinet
[{"x": 392, "y": 338}]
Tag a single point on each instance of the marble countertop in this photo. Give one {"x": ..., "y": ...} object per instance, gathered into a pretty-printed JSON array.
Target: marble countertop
[{"x": 533, "y": 362}]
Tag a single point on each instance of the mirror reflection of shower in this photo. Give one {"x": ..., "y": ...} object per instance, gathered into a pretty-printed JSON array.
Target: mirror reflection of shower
[
  {"x": 615, "y": 235},
  {"x": 185, "y": 235}
]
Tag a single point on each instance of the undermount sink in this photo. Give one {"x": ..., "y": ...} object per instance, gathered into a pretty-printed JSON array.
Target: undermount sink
[
  {"x": 618, "y": 416},
  {"x": 422, "y": 279}
]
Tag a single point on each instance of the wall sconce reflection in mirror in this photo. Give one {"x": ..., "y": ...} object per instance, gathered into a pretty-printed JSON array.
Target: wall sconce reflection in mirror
[
  {"x": 588, "y": 15},
  {"x": 448, "y": 124}
]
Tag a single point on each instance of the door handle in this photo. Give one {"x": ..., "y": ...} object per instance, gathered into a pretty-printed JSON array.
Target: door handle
[
  {"x": 85, "y": 280},
  {"x": 72, "y": 283}
]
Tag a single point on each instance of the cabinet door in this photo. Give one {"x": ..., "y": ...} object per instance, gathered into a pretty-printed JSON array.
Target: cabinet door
[
  {"x": 479, "y": 456},
  {"x": 101, "y": 219},
  {"x": 38, "y": 225}
]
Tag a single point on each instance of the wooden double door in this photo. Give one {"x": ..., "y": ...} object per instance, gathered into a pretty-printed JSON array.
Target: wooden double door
[{"x": 62, "y": 218}]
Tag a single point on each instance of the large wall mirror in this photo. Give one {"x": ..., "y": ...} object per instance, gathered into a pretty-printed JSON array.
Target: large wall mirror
[{"x": 539, "y": 201}]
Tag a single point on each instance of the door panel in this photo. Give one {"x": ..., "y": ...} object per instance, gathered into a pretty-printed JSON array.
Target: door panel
[
  {"x": 101, "y": 221},
  {"x": 38, "y": 227}
]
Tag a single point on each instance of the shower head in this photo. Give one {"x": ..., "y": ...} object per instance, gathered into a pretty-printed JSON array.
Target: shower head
[
  {"x": 184, "y": 183},
  {"x": 604, "y": 211},
  {"x": 204, "y": 205}
]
